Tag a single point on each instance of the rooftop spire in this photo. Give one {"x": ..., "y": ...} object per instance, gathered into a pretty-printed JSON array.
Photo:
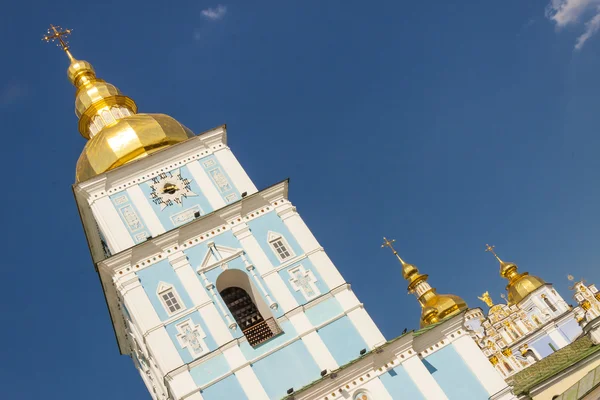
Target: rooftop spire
[
  {"x": 434, "y": 306},
  {"x": 491, "y": 250},
  {"x": 57, "y": 33}
]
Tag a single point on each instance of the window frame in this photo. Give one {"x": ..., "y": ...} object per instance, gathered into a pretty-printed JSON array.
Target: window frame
[
  {"x": 275, "y": 237},
  {"x": 162, "y": 290}
]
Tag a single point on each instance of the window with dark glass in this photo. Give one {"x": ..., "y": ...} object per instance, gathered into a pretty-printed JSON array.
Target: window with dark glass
[
  {"x": 549, "y": 304},
  {"x": 256, "y": 329}
]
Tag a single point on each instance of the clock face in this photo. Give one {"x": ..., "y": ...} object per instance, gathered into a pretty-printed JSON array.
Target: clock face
[{"x": 170, "y": 188}]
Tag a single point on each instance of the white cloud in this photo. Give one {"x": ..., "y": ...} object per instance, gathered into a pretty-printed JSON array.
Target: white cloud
[
  {"x": 570, "y": 12},
  {"x": 215, "y": 13}
]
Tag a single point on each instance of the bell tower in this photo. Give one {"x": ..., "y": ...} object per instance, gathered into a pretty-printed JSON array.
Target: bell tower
[{"x": 211, "y": 284}]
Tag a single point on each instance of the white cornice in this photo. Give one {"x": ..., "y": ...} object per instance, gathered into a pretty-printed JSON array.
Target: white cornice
[{"x": 145, "y": 168}]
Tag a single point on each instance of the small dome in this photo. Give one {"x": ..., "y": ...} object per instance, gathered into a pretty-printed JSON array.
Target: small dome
[
  {"x": 522, "y": 286},
  {"x": 445, "y": 305},
  {"x": 130, "y": 138}
]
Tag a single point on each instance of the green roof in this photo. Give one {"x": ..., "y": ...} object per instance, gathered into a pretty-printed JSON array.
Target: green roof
[{"x": 555, "y": 363}]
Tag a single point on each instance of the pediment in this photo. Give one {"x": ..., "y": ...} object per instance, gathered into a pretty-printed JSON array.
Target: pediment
[{"x": 217, "y": 253}]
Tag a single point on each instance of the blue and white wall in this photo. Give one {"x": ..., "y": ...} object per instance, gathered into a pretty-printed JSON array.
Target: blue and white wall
[{"x": 197, "y": 348}]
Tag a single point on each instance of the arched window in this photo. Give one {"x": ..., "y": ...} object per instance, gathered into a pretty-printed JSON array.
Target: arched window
[
  {"x": 247, "y": 307},
  {"x": 508, "y": 367},
  {"x": 548, "y": 303},
  {"x": 362, "y": 395}
]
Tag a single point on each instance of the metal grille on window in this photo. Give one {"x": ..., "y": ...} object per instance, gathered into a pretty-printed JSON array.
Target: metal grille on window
[
  {"x": 171, "y": 301},
  {"x": 281, "y": 249},
  {"x": 247, "y": 316}
]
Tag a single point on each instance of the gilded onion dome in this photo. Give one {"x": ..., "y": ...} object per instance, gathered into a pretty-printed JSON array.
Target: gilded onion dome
[
  {"x": 520, "y": 285},
  {"x": 116, "y": 133},
  {"x": 435, "y": 307}
]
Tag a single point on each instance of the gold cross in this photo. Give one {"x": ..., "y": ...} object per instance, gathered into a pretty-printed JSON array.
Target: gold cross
[
  {"x": 388, "y": 243},
  {"x": 56, "y": 32},
  {"x": 490, "y": 249}
]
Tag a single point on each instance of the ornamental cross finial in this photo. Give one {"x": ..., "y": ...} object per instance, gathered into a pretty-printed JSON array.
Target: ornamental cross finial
[
  {"x": 491, "y": 250},
  {"x": 388, "y": 243},
  {"x": 57, "y": 33}
]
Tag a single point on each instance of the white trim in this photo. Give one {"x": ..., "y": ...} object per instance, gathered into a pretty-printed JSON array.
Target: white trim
[
  {"x": 164, "y": 288},
  {"x": 273, "y": 237}
]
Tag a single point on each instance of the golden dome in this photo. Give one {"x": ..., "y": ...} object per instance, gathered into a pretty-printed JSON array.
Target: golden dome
[
  {"x": 109, "y": 119},
  {"x": 520, "y": 285},
  {"x": 435, "y": 306},
  {"x": 130, "y": 138}
]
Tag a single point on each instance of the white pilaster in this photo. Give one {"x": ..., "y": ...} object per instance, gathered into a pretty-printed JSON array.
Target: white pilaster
[
  {"x": 250, "y": 384},
  {"x": 424, "y": 381},
  {"x": 360, "y": 318},
  {"x": 232, "y": 166},
  {"x": 206, "y": 185},
  {"x": 163, "y": 350},
  {"x": 112, "y": 226},
  {"x": 138, "y": 198},
  {"x": 479, "y": 365},
  {"x": 182, "y": 384},
  {"x": 326, "y": 269},
  {"x": 245, "y": 375},
  {"x": 208, "y": 311},
  {"x": 261, "y": 262},
  {"x": 313, "y": 342},
  {"x": 137, "y": 302},
  {"x": 557, "y": 337}
]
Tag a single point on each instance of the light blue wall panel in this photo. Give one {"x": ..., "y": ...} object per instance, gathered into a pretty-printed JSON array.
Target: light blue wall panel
[
  {"x": 298, "y": 295},
  {"x": 161, "y": 272},
  {"x": 290, "y": 367},
  {"x": 454, "y": 376},
  {"x": 399, "y": 385},
  {"x": 220, "y": 179},
  {"x": 260, "y": 228},
  {"x": 570, "y": 329},
  {"x": 343, "y": 340},
  {"x": 542, "y": 346},
  {"x": 177, "y": 214},
  {"x": 226, "y": 389},
  {"x": 130, "y": 216},
  {"x": 324, "y": 311},
  {"x": 251, "y": 353},
  {"x": 185, "y": 354},
  {"x": 209, "y": 370}
]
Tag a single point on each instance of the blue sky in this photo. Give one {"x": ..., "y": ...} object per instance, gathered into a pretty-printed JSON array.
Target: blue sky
[{"x": 443, "y": 126}]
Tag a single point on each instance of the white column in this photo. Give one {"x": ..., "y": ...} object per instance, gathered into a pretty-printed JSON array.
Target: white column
[
  {"x": 112, "y": 226},
  {"x": 360, "y": 318},
  {"x": 138, "y": 198},
  {"x": 218, "y": 329},
  {"x": 138, "y": 304},
  {"x": 245, "y": 375},
  {"x": 313, "y": 342},
  {"x": 232, "y": 166},
  {"x": 182, "y": 384},
  {"x": 263, "y": 265},
  {"x": 557, "y": 337},
  {"x": 308, "y": 243},
  {"x": 479, "y": 365},
  {"x": 424, "y": 381},
  {"x": 206, "y": 185},
  {"x": 163, "y": 350}
]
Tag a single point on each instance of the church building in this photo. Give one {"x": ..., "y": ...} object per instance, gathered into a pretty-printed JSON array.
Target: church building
[{"x": 218, "y": 290}]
